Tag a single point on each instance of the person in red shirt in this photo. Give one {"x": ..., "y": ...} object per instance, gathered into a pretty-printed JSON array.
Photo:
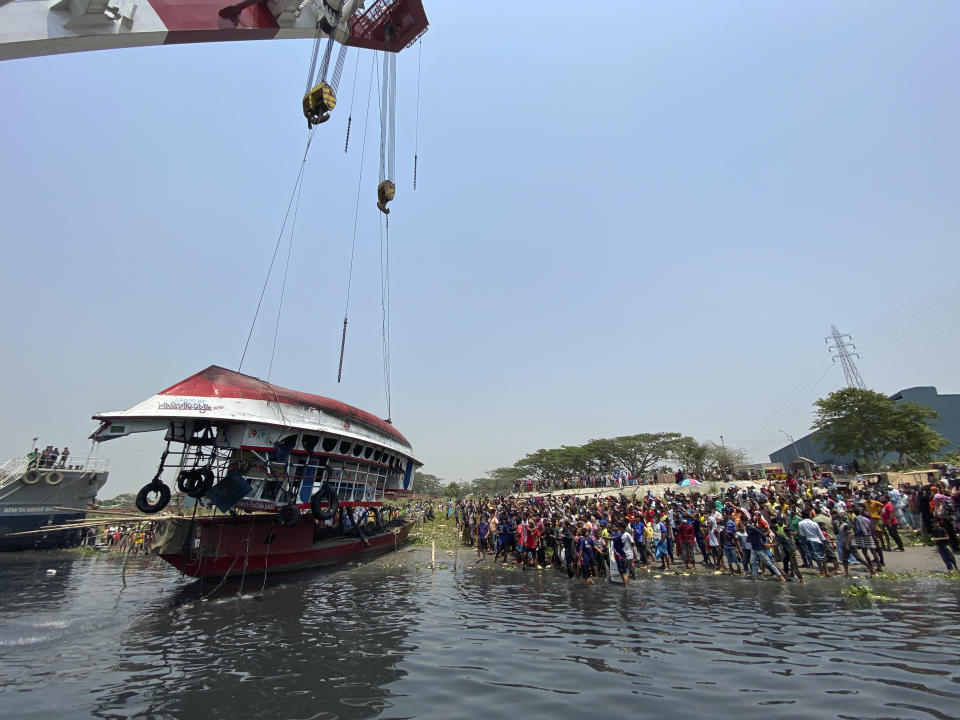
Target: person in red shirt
[{"x": 889, "y": 517}]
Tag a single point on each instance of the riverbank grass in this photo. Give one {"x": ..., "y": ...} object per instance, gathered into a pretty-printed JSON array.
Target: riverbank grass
[{"x": 441, "y": 531}]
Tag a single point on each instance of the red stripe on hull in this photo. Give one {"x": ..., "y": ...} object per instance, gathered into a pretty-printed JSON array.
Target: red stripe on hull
[{"x": 223, "y": 548}]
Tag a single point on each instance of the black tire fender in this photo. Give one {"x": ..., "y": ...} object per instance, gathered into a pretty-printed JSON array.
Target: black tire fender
[
  {"x": 288, "y": 515},
  {"x": 143, "y": 497},
  {"x": 327, "y": 494}
]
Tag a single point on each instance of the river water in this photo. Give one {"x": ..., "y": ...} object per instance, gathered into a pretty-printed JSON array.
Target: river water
[{"x": 392, "y": 639}]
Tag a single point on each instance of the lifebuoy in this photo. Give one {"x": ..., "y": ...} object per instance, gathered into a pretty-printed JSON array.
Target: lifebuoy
[
  {"x": 155, "y": 486},
  {"x": 288, "y": 515},
  {"x": 53, "y": 478},
  {"x": 326, "y": 494},
  {"x": 31, "y": 477}
]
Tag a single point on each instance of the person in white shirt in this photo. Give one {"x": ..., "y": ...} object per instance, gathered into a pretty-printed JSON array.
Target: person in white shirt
[{"x": 815, "y": 542}]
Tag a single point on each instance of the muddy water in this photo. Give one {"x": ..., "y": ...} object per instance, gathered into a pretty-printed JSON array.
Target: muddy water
[{"x": 392, "y": 639}]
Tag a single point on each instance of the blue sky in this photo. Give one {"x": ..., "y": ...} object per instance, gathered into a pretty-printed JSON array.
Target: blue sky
[{"x": 642, "y": 219}]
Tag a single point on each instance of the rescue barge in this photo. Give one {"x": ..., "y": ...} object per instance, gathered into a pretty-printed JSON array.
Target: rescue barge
[
  {"x": 300, "y": 478},
  {"x": 43, "y": 506}
]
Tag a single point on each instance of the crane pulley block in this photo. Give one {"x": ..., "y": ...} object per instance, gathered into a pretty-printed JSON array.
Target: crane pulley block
[{"x": 318, "y": 103}]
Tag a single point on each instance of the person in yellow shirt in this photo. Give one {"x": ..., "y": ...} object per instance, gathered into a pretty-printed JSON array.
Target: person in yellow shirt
[{"x": 875, "y": 510}]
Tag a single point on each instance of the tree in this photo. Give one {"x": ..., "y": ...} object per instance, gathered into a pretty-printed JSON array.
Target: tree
[
  {"x": 855, "y": 421},
  {"x": 636, "y": 453},
  {"x": 427, "y": 484},
  {"x": 453, "y": 490},
  {"x": 120, "y": 500},
  {"x": 500, "y": 481},
  {"x": 912, "y": 435},
  {"x": 691, "y": 455},
  {"x": 868, "y": 425},
  {"x": 726, "y": 457}
]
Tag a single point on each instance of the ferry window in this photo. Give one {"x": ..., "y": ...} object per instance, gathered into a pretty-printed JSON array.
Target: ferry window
[
  {"x": 329, "y": 443},
  {"x": 357, "y": 449},
  {"x": 376, "y": 456},
  {"x": 309, "y": 442},
  {"x": 344, "y": 447},
  {"x": 289, "y": 441},
  {"x": 367, "y": 452},
  {"x": 270, "y": 489}
]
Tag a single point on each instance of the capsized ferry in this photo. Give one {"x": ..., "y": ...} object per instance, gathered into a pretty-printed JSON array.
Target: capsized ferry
[{"x": 297, "y": 480}]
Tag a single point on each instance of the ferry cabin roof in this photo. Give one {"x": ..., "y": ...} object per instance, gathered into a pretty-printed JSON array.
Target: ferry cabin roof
[{"x": 252, "y": 414}]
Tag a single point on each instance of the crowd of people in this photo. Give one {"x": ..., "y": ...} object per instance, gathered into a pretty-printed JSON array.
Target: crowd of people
[
  {"x": 622, "y": 478},
  {"x": 777, "y": 529},
  {"x": 49, "y": 457},
  {"x": 126, "y": 538}
]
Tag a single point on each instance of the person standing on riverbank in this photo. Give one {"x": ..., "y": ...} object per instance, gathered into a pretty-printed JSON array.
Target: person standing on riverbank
[
  {"x": 942, "y": 540},
  {"x": 483, "y": 535},
  {"x": 815, "y": 542},
  {"x": 864, "y": 538},
  {"x": 660, "y": 532},
  {"x": 585, "y": 554},
  {"x": 687, "y": 541},
  {"x": 889, "y": 517}
]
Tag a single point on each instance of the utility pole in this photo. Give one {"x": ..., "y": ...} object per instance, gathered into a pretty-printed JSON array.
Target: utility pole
[
  {"x": 790, "y": 438},
  {"x": 841, "y": 350}
]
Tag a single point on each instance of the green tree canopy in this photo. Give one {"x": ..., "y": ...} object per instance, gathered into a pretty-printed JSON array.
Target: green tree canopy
[
  {"x": 725, "y": 457},
  {"x": 427, "y": 484},
  {"x": 868, "y": 425},
  {"x": 453, "y": 490},
  {"x": 912, "y": 435},
  {"x": 692, "y": 455}
]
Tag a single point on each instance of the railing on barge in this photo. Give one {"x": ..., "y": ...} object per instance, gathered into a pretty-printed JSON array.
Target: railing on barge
[{"x": 14, "y": 468}]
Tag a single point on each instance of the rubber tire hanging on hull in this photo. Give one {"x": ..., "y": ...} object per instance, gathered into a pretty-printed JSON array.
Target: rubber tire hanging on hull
[
  {"x": 145, "y": 506},
  {"x": 196, "y": 482},
  {"x": 288, "y": 515},
  {"x": 327, "y": 494}
]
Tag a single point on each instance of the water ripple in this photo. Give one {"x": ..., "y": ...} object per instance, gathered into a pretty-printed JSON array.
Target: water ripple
[{"x": 374, "y": 642}]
